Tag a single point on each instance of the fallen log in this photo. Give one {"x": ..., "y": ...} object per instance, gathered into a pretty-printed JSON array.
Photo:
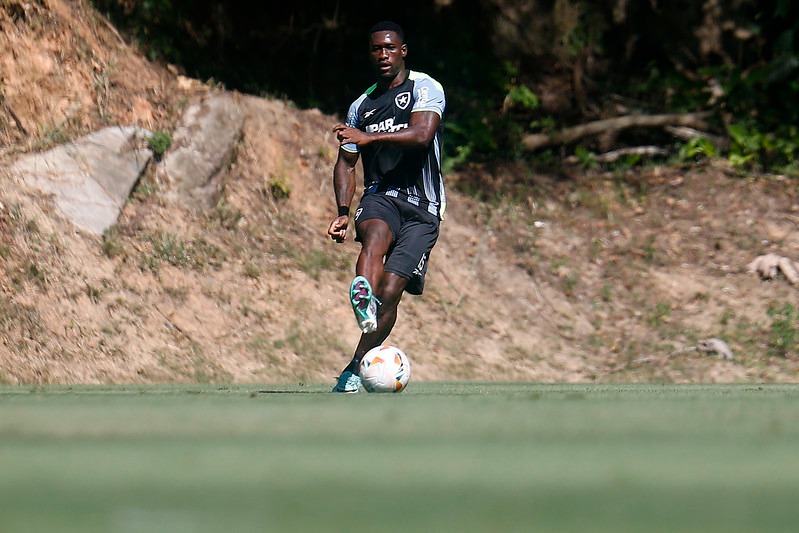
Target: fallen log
[
  {"x": 534, "y": 141},
  {"x": 716, "y": 346},
  {"x": 615, "y": 155},
  {"x": 686, "y": 133},
  {"x": 711, "y": 346}
]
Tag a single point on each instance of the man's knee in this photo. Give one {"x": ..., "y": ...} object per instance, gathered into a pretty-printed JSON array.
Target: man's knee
[
  {"x": 390, "y": 290},
  {"x": 374, "y": 233}
]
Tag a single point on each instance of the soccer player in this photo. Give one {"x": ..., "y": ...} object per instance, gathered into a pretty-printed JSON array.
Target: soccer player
[{"x": 394, "y": 127}]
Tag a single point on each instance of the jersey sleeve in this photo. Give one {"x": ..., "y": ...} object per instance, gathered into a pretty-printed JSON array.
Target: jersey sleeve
[
  {"x": 352, "y": 121},
  {"x": 428, "y": 95}
]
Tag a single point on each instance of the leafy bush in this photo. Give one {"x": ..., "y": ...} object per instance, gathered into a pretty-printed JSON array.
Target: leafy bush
[{"x": 159, "y": 142}]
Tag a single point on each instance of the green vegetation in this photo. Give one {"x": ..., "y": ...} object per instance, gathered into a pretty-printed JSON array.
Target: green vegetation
[
  {"x": 112, "y": 245},
  {"x": 196, "y": 254},
  {"x": 784, "y": 330},
  {"x": 438, "y": 457},
  {"x": 279, "y": 187},
  {"x": 228, "y": 215},
  {"x": 737, "y": 61},
  {"x": 159, "y": 142}
]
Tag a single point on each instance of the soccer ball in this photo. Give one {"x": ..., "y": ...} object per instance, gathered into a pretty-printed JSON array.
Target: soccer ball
[{"x": 385, "y": 369}]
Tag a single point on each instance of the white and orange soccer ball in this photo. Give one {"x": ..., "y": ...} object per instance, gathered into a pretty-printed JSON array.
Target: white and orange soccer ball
[{"x": 385, "y": 369}]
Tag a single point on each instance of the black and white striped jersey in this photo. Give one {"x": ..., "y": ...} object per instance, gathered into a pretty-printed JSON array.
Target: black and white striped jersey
[{"x": 410, "y": 174}]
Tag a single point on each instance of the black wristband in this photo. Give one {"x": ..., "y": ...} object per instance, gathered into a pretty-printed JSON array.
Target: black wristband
[{"x": 343, "y": 211}]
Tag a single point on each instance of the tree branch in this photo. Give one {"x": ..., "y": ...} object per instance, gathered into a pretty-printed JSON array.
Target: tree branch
[
  {"x": 612, "y": 156},
  {"x": 534, "y": 141}
]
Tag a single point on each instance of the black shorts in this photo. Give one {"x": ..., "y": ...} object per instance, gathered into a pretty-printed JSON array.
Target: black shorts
[{"x": 415, "y": 233}]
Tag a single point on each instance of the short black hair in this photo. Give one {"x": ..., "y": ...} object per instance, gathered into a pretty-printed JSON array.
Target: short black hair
[{"x": 387, "y": 25}]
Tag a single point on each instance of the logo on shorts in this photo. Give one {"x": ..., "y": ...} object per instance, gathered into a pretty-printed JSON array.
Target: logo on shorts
[
  {"x": 358, "y": 212},
  {"x": 420, "y": 267},
  {"x": 403, "y": 99}
]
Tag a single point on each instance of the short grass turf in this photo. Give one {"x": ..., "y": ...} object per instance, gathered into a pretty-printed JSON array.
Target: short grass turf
[{"x": 438, "y": 457}]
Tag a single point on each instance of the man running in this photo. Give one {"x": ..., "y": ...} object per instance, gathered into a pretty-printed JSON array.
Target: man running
[{"x": 395, "y": 126}]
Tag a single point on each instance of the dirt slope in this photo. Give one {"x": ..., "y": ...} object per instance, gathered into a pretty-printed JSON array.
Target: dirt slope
[{"x": 573, "y": 280}]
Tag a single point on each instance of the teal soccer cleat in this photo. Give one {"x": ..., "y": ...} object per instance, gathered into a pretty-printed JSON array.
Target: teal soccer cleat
[
  {"x": 347, "y": 382},
  {"x": 364, "y": 304}
]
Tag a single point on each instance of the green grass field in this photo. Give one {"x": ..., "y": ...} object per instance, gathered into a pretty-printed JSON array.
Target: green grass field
[{"x": 438, "y": 457}]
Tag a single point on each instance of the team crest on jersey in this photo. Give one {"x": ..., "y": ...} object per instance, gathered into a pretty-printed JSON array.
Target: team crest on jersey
[{"x": 403, "y": 99}]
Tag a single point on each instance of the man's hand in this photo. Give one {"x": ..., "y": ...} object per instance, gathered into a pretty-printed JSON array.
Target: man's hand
[
  {"x": 338, "y": 228},
  {"x": 346, "y": 135}
]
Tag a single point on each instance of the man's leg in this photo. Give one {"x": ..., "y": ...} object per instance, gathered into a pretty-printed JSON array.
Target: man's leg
[
  {"x": 389, "y": 292},
  {"x": 376, "y": 239}
]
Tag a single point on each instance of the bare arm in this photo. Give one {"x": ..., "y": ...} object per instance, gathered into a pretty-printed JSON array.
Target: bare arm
[
  {"x": 419, "y": 133},
  {"x": 344, "y": 188}
]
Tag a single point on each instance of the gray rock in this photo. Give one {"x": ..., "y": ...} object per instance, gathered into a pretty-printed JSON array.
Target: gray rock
[
  {"x": 202, "y": 149},
  {"x": 91, "y": 178}
]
